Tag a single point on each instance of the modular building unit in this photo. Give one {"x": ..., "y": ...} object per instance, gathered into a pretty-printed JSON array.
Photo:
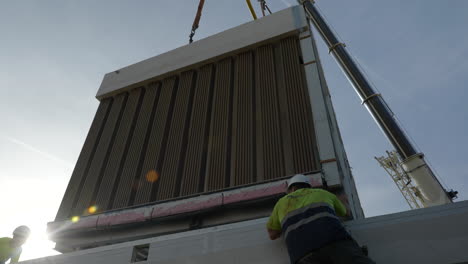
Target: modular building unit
[{"x": 217, "y": 125}]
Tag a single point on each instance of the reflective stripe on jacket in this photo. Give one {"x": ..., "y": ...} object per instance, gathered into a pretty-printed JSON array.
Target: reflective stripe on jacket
[
  {"x": 311, "y": 228},
  {"x": 307, "y": 220}
]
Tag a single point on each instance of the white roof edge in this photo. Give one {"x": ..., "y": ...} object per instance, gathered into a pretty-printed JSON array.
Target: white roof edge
[{"x": 283, "y": 22}]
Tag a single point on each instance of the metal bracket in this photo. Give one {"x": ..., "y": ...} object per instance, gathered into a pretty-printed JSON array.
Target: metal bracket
[
  {"x": 327, "y": 161},
  {"x": 335, "y": 45},
  {"x": 369, "y": 97},
  {"x": 304, "y": 37},
  {"x": 309, "y": 62}
]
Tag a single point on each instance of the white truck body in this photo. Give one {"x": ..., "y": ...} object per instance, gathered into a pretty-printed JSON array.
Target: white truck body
[{"x": 436, "y": 235}]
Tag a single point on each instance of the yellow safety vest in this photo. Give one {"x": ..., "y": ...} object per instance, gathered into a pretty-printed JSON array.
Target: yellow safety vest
[{"x": 7, "y": 252}]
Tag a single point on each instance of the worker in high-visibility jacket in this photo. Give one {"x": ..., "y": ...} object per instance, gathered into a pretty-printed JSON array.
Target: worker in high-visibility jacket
[
  {"x": 307, "y": 219},
  {"x": 10, "y": 248}
]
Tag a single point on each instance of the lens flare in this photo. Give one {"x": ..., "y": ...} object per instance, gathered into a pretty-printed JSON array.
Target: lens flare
[
  {"x": 152, "y": 176},
  {"x": 75, "y": 219},
  {"x": 92, "y": 209}
]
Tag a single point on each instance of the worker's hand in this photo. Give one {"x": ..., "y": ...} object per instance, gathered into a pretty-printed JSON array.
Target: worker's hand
[
  {"x": 274, "y": 234},
  {"x": 344, "y": 199}
]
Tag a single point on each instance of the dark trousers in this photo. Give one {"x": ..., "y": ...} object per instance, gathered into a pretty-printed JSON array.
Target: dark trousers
[{"x": 339, "y": 252}]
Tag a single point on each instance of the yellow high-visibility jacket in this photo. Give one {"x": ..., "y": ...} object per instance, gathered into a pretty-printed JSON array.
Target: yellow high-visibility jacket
[
  {"x": 307, "y": 219},
  {"x": 7, "y": 252}
]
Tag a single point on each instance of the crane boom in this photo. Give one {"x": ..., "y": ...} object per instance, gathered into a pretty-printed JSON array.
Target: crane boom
[{"x": 413, "y": 162}]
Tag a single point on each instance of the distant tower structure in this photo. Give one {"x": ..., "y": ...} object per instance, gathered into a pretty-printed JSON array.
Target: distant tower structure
[{"x": 392, "y": 165}]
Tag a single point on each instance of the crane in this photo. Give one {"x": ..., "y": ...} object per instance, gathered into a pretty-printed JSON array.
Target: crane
[
  {"x": 408, "y": 161},
  {"x": 412, "y": 161},
  {"x": 393, "y": 166}
]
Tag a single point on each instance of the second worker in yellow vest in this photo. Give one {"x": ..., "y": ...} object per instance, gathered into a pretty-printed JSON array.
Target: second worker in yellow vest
[{"x": 307, "y": 219}]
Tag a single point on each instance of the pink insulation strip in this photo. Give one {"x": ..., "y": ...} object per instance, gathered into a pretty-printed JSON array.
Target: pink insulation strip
[
  {"x": 124, "y": 217},
  {"x": 189, "y": 205},
  {"x": 194, "y": 204},
  {"x": 254, "y": 192}
]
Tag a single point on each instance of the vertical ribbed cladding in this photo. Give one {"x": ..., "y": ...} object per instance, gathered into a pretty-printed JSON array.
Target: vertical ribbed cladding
[
  {"x": 118, "y": 153},
  {"x": 134, "y": 154},
  {"x": 84, "y": 160},
  {"x": 101, "y": 156},
  {"x": 241, "y": 120},
  {"x": 218, "y": 160},
  {"x": 300, "y": 113},
  {"x": 243, "y": 157},
  {"x": 150, "y": 173},
  {"x": 269, "y": 138},
  {"x": 282, "y": 104},
  {"x": 194, "y": 169},
  {"x": 138, "y": 180},
  {"x": 176, "y": 145}
]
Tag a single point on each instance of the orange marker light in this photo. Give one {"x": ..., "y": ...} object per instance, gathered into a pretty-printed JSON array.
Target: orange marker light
[{"x": 152, "y": 176}]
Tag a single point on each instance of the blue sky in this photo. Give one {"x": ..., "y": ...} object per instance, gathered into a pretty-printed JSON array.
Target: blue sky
[{"x": 54, "y": 54}]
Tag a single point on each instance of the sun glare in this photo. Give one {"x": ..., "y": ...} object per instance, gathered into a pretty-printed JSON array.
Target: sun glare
[
  {"x": 38, "y": 245},
  {"x": 92, "y": 209}
]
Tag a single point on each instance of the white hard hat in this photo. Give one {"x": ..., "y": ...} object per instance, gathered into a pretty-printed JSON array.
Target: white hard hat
[
  {"x": 22, "y": 231},
  {"x": 298, "y": 178}
]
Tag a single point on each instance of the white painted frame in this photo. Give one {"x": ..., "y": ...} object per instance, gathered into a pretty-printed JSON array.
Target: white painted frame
[
  {"x": 286, "y": 22},
  {"x": 330, "y": 146}
]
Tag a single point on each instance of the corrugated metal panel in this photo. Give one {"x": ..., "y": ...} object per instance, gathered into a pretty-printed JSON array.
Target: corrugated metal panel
[
  {"x": 243, "y": 119},
  {"x": 134, "y": 156},
  {"x": 269, "y": 153},
  {"x": 150, "y": 172},
  {"x": 300, "y": 113},
  {"x": 101, "y": 156},
  {"x": 119, "y": 150},
  {"x": 219, "y": 148},
  {"x": 173, "y": 160},
  {"x": 84, "y": 160},
  {"x": 243, "y": 137},
  {"x": 284, "y": 112},
  {"x": 193, "y": 175}
]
